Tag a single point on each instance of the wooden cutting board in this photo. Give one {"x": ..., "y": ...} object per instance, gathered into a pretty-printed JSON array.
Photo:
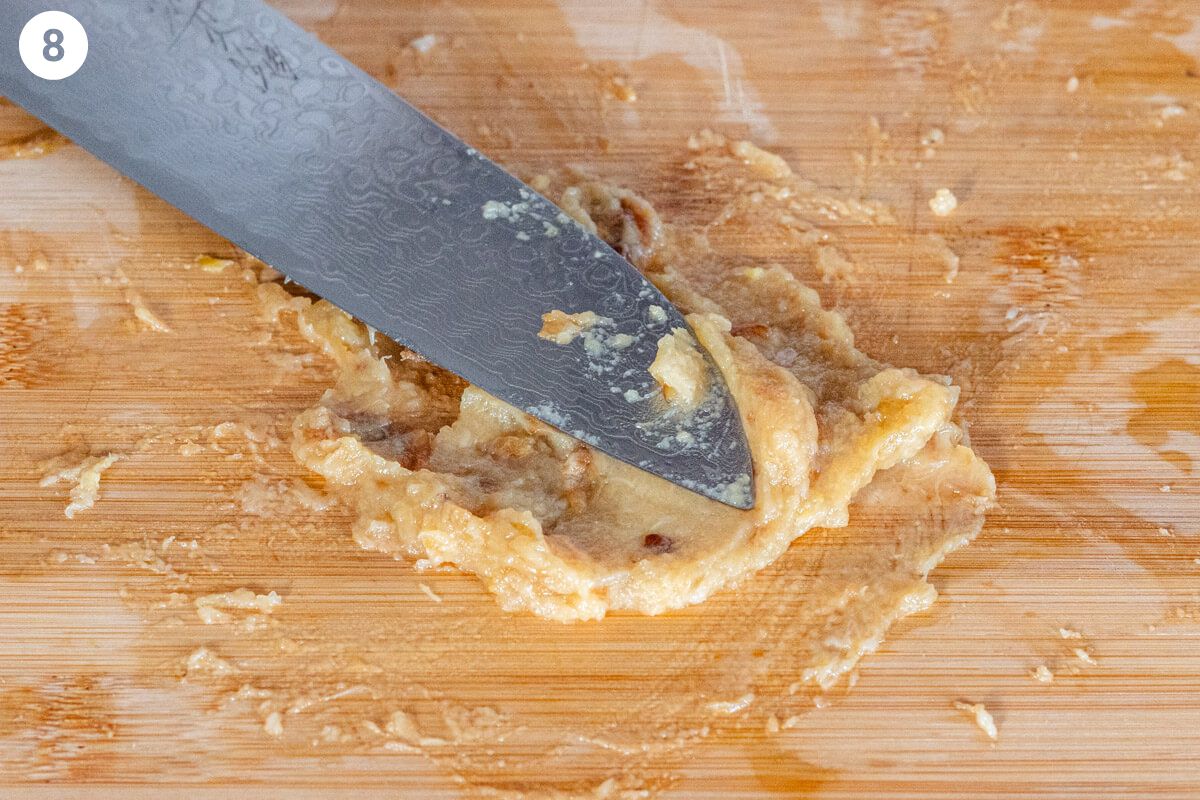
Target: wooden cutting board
[{"x": 1067, "y": 131}]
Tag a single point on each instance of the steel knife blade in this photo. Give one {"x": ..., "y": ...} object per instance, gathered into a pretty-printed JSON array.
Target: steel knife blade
[{"x": 246, "y": 122}]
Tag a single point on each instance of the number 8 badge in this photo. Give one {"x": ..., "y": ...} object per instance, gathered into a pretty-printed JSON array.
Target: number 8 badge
[{"x": 53, "y": 45}]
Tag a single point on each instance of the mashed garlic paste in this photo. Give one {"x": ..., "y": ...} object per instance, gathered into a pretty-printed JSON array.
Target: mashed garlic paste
[{"x": 443, "y": 473}]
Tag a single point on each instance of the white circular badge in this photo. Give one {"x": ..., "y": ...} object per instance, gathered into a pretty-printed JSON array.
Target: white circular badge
[{"x": 53, "y": 45}]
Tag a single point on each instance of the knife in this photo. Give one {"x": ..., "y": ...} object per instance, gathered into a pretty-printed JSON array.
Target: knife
[{"x": 244, "y": 121}]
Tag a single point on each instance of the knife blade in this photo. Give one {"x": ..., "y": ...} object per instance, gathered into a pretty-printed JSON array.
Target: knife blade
[{"x": 244, "y": 121}]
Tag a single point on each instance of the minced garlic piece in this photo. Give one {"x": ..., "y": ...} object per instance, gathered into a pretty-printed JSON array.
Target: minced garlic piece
[
  {"x": 563, "y": 328},
  {"x": 210, "y": 606},
  {"x": 143, "y": 313},
  {"x": 401, "y": 726},
  {"x": 86, "y": 475},
  {"x": 943, "y": 203},
  {"x": 214, "y": 264},
  {"x": 768, "y": 165},
  {"x": 983, "y": 717},
  {"x": 423, "y": 44},
  {"x": 732, "y": 706},
  {"x": 680, "y": 369},
  {"x": 205, "y": 660},
  {"x": 273, "y": 724}
]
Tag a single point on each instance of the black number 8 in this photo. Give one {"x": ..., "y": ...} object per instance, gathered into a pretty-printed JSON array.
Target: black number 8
[{"x": 53, "y": 51}]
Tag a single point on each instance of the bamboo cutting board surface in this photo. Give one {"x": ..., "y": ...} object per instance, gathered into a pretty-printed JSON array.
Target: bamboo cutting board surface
[{"x": 1067, "y": 131}]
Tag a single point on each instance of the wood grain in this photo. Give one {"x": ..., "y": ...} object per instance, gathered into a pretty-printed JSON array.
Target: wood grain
[{"x": 1072, "y": 325}]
